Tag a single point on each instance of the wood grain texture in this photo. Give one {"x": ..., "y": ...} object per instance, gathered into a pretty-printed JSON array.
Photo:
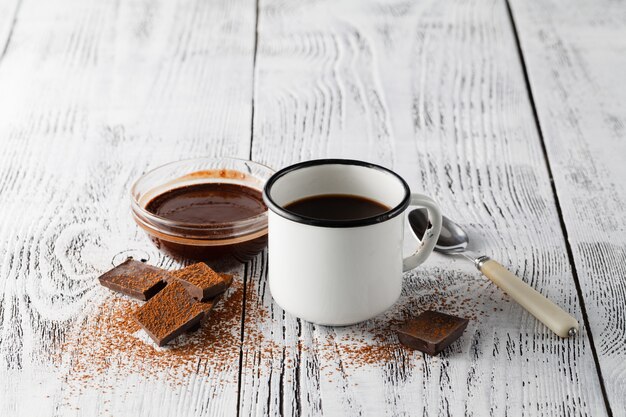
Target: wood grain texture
[
  {"x": 575, "y": 54},
  {"x": 92, "y": 94},
  {"x": 8, "y": 14},
  {"x": 435, "y": 91}
]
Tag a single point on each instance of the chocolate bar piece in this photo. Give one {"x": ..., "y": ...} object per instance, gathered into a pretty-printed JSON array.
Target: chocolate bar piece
[
  {"x": 202, "y": 282},
  {"x": 207, "y": 306},
  {"x": 135, "y": 279},
  {"x": 431, "y": 332},
  {"x": 169, "y": 313}
]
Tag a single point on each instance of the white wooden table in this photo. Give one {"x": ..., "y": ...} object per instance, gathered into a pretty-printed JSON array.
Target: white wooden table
[{"x": 511, "y": 114}]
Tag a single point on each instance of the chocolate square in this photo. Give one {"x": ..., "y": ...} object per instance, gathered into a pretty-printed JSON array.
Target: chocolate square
[
  {"x": 207, "y": 307},
  {"x": 135, "y": 279},
  {"x": 431, "y": 332},
  {"x": 169, "y": 313},
  {"x": 201, "y": 281}
]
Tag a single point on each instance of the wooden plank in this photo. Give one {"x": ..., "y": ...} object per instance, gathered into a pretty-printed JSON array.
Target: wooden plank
[
  {"x": 434, "y": 90},
  {"x": 93, "y": 93},
  {"x": 576, "y": 58},
  {"x": 8, "y": 13}
]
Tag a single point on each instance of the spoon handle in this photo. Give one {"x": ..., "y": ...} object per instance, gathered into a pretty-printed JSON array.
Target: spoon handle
[{"x": 536, "y": 304}]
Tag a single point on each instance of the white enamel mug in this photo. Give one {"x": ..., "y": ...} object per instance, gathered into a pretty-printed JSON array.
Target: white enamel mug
[{"x": 341, "y": 272}]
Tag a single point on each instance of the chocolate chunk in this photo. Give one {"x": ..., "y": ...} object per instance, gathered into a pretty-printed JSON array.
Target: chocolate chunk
[
  {"x": 135, "y": 279},
  {"x": 169, "y": 313},
  {"x": 194, "y": 328},
  {"x": 202, "y": 282},
  {"x": 431, "y": 332},
  {"x": 206, "y": 306}
]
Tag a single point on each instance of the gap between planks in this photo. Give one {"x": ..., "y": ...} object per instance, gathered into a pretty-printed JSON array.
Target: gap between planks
[
  {"x": 247, "y": 266},
  {"x": 303, "y": 129},
  {"x": 246, "y": 272},
  {"x": 254, "y": 54},
  {"x": 12, "y": 27},
  {"x": 570, "y": 254}
]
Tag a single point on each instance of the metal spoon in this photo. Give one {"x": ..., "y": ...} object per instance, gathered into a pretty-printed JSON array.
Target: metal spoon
[{"x": 453, "y": 241}]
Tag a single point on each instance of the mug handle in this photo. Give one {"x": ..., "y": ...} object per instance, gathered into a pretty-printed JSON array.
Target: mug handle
[{"x": 429, "y": 240}]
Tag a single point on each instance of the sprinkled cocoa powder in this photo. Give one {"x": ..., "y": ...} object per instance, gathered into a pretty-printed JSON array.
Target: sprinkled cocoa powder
[
  {"x": 199, "y": 274},
  {"x": 109, "y": 339},
  {"x": 169, "y": 313},
  {"x": 375, "y": 342}
]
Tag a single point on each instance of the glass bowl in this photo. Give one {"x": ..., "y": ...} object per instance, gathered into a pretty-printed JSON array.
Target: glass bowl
[{"x": 206, "y": 241}]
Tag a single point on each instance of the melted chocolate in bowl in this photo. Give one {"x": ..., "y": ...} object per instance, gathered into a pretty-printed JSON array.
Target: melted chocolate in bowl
[
  {"x": 208, "y": 203},
  {"x": 210, "y": 215}
]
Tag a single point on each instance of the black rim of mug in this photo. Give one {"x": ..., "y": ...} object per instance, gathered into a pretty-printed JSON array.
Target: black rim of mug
[{"x": 391, "y": 213}]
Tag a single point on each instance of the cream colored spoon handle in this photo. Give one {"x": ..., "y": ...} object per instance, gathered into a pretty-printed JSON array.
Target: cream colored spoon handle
[{"x": 536, "y": 304}]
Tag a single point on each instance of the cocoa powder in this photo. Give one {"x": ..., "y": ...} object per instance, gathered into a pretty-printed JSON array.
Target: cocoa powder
[
  {"x": 198, "y": 274},
  {"x": 110, "y": 338}
]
